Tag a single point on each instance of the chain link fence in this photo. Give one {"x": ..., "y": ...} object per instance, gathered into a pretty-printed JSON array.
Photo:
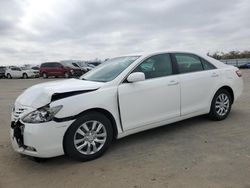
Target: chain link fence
[{"x": 236, "y": 62}]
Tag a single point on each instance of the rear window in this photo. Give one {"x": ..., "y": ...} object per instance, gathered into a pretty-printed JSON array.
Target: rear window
[
  {"x": 188, "y": 63},
  {"x": 207, "y": 65}
]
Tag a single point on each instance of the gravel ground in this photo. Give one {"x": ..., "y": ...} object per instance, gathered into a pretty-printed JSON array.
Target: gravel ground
[{"x": 193, "y": 153}]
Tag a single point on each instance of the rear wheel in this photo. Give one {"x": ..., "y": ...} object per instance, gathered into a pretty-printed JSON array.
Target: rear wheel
[
  {"x": 88, "y": 137},
  {"x": 25, "y": 76},
  {"x": 221, "y": 105}
]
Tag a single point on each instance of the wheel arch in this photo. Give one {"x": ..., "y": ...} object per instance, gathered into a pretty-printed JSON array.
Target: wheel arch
[
  {"x": 104, "y": 112},
  {"x": 9, "y": 74},
  {"x": 229, "y": 89}
]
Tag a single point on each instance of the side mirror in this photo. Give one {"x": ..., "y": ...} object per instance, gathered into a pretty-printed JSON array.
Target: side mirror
[{"x": 136, "y": 77}]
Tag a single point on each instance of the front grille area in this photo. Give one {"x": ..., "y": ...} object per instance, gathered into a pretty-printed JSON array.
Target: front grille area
[
  {"x": 18, "y": 129},
  {"x": 78, "y": 73}
]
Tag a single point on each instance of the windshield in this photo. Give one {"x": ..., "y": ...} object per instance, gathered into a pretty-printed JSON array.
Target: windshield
[
  {"x": 24, "y": 68},
  {"x": 110, "y": 69},
  {"x": 35, "y": 68}
]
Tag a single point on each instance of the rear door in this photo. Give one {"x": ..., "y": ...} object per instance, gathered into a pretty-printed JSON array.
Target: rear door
[
  {"x": 58, "y": 69},
  {"x": 198, "y": 80},
  {"x": 52, "y": 69},
  {"x": 153, "y": 100}
]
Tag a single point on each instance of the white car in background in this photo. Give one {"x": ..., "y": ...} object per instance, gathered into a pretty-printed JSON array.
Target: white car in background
[
  {"x": 21, "y": 72},
  {"x": 123, "y": 96}
]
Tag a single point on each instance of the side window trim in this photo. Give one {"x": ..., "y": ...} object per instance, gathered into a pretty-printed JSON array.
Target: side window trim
[
  {"x": 174, "y": 64},
  {"x": 203, "y": 67}
]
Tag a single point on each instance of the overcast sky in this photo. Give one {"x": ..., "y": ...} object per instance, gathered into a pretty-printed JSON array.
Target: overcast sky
[{"x": 34, "y": 31}]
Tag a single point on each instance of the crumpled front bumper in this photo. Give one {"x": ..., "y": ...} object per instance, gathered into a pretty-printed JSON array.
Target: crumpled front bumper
[{"x": 43, "y": 140}]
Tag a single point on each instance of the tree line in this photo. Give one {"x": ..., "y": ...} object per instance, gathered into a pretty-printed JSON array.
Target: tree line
[{"x": 230, "y": 55}]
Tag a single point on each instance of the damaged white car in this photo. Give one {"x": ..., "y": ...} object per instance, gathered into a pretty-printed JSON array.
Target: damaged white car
[{"x": 125, "y": 95}]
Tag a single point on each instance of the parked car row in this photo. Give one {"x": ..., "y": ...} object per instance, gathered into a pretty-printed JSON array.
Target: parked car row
[{"x": 64, "y": 69}]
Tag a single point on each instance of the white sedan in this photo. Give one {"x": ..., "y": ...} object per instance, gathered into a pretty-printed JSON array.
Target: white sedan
[
  {"x": 21, "y": 72},
  {"x": 123, "y": 96}
]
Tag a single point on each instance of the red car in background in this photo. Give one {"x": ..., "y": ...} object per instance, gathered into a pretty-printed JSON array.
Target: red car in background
[{"x": 60, "y": 69}]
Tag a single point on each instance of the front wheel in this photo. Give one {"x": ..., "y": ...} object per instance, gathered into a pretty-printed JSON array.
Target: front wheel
[
  {"x": 88, "y": 137},
  {"x": 9, "y": 76},
  {"x": 221, "y": 105},
  {"x": 45, "y": 75}
]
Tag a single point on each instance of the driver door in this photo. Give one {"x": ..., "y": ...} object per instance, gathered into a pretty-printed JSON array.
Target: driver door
[{"x": 153, "y": 100}]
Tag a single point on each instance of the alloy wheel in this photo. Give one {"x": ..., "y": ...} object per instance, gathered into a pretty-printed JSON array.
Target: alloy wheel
[
  {"x": 222, "y": 104},
  {"x": 90, "y": 137}
]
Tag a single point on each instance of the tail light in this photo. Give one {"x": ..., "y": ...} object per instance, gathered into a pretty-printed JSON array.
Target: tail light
[{"x": 238, "y": 72}]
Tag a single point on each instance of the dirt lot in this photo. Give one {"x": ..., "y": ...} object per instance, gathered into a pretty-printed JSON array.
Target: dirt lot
[{"x": 192, "y": 153}]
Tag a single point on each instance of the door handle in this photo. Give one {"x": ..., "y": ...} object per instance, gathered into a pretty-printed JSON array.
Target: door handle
[
  {"x": 214, "y": 74},
  {"x": 173, "y": 83}
]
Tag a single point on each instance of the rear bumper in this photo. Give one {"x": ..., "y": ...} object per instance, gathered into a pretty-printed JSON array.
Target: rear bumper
[
  {"x": 33, "y": 75},
  {"x": 238, "y": 88},
  {"x": 43, "y": 140}
]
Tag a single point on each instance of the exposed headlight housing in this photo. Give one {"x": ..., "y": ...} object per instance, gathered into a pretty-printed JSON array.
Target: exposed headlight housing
[{"x": 41, "y": 115}]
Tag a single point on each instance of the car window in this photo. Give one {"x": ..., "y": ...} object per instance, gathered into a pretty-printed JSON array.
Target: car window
[
  {"x": 35, "y": 68},
  {"x": 15, "y": 69},
  {"x": 207, "y": 65},
  {"x": 50, "y": 65},
  {"x": 75, "y": 64},
  {"x": 156, "y": 66},
  {"x": 44, "y": 65},
  {"x": 188, "y": 63}
]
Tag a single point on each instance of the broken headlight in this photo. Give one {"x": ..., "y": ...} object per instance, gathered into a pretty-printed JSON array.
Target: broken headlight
[{"x": 41, "y": 115}]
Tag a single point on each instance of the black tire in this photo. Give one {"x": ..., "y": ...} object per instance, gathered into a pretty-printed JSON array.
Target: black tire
[
  {"x": 44, "y": 75},
  {"x": 70, "y": 135},
  {"x": 25, "y": 76},
  {"x": 213, "y": 114},
  {"x": 9, "y": 76}
]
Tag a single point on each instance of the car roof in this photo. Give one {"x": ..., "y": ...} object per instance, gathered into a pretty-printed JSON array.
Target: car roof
[
  {"x": 148, "y": 53},
  {"x": 143, "y": 55}
]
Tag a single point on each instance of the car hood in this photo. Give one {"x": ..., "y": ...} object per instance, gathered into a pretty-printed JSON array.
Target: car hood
[{"x": 42, "y": 94}]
